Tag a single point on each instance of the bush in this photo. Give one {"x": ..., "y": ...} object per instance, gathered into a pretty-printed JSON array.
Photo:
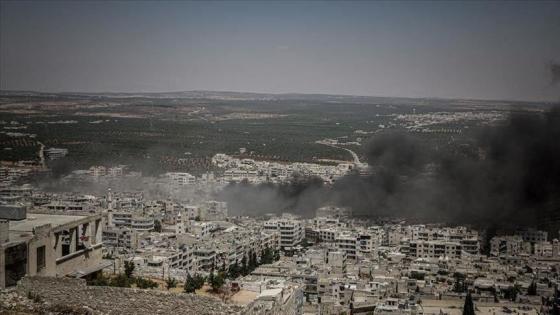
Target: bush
[
  {"x": 128, "y": 268},
  {"x": 121, "y": 280},
  {"x": 217, "y": 281},
  {"x": 145, "y": 283},
  {"x": 99, "y": 280},
  {"x": 532, "y": 290},
  {"x": 193, "y": 283},
  {"x": 35, "y": 297},
  {"x": 170, "y": 283}
]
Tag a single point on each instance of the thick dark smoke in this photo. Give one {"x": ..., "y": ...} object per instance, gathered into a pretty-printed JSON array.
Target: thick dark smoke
[
  {"x": 304, "y": 194},
  {"x": 555, "y": 73},
  {"x": 400, "y": 167},
  {"x": 505, "y": 178}
]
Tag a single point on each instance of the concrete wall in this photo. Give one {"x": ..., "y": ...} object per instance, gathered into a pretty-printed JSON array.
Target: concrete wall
[
  {"x": 43, "y": 237},
  {"x": 81, "y": 260}
]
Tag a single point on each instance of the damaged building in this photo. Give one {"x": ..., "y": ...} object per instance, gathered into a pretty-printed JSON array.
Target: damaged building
[{"x": 48, "y": 245}]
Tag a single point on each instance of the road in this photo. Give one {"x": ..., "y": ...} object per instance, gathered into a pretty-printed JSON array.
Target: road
[{"x": 355, "y": 157}]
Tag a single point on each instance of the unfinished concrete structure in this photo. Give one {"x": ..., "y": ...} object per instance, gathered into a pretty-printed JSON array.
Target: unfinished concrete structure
[{"x": 49, "y": 245}]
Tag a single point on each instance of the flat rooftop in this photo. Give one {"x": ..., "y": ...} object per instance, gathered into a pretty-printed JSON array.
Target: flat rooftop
[
  {"x": 270, "y": 293},
  {"x": 34, "y": 220}
]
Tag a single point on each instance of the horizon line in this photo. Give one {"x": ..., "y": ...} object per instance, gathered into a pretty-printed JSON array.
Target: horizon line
[{"x": 286, "y": 93}]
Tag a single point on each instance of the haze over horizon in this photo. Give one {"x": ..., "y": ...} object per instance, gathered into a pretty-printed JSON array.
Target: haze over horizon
[{"x": 474, "y": 50}]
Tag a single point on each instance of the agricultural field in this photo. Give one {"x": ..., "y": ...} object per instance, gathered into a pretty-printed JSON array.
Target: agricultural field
[{"x": 154, "y": 133}]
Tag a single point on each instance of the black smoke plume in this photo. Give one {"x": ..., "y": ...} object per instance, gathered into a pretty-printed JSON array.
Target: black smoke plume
[
  {"x": 505, "y": 178},
  {"x": 555, "y": 73},
  {"x": 302, "y": 194}
]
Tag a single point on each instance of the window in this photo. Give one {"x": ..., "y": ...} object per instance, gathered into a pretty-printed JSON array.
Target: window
[{"x": 41, "y": 263}]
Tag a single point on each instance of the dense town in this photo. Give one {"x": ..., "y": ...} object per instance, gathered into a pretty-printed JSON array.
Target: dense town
[{"x": 332, "y": 263}]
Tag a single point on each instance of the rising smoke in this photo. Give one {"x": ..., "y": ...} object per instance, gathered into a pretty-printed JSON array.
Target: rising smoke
[
  {"x": 555, "y": 73},
  {"x": 303, "y": 194},
  {"x": 505, "y": 178}
]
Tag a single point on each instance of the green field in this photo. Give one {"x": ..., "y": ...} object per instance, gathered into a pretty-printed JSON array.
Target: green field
[{"x": 162, "y": 134}]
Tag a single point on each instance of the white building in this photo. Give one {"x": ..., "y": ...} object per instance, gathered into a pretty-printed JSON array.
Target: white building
[
  {"x": 435, "y": 249},
  {"x": 347, "y": 243},
  {"x": 180, "y": 179},
  {"x": 56, "y": 153},
  {"x": 130, "y": 220},
  {"x": 291, "y": 231}
]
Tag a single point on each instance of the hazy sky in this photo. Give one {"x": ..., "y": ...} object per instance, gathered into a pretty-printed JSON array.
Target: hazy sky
[{"x": 497, "y": 50}]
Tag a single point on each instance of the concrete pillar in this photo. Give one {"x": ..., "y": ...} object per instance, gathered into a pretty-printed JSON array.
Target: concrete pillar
[
  {"x": 87, "y": 232},
  {"x": 73, "y": 239},
  {"x": 4, "y": 231},
  {"x": 98, "y": 231},
  {"x": 2, "y": 268},
  {"x": 58, "y": 245}
]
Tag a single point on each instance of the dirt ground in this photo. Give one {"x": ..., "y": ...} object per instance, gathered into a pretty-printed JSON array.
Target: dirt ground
[{"x": 244, "y": 297}]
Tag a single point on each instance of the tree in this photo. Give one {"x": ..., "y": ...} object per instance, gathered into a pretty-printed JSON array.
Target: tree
[
  {"x": 267, "y": 256},
  {"x": 145, "y": 283},
  {"x": 199, "y": 281},
  {"x": 417, "y": 275},
  {"x": 157, "y": 226},
  {"x": 459, "y": 285},
  {"x": 121, "y": 280},
  {"x": 190, "y": 284},
  {"x": 99, "y": 280},
  {"x": 128, "y": 268},
  {"x": 511, "y": 293},
  {"x": 211, "y": 276},
  {"x": 233, "y": 271},
  {"x": 532, "y": 290},
  {"x": 244, "y": 269},
  {"x": 217, "y": 281},
  {"x": 170, "y": 283},
  {"x": 252, "y": 262},
  {"x": 468, "y": 308}
]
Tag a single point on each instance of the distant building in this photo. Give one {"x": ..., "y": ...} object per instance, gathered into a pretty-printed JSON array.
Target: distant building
[
  {"x": 213, "y": 211},
  {"x": 291, "y": 231},
  {"x": 120, "y": 238},
  {"x": 506, "y": 245},
  {"x": 181, "y": 179},
  {"x": 435, "y": 249},
  {"x": 534, "y": 236},
  {"x": 130, "y": 220},
  {"x": 55, "y": 153}
]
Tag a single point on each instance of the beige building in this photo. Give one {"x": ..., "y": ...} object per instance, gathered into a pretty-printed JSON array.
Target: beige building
[{"x": 49, "y": 245}]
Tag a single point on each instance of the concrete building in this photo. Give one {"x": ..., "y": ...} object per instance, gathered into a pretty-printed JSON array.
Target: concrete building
[
  {"x": 50, "y": 245},
  {"x": 506, "y": 245},
  {"x": 97, "y": 171},
  {"x": 124, "y": 238},
  {"x": 130, "y": 220},
  {"x": 180, "y": 179},
  {"x": 55, "y": 153},
  {"x": 435, "y": 249},
  {"x": 347, "y": 243},
  {"x": 291, "y": 231},
  {"x": 213, "y": 211},
  {"x": 533, "y": 235}
]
